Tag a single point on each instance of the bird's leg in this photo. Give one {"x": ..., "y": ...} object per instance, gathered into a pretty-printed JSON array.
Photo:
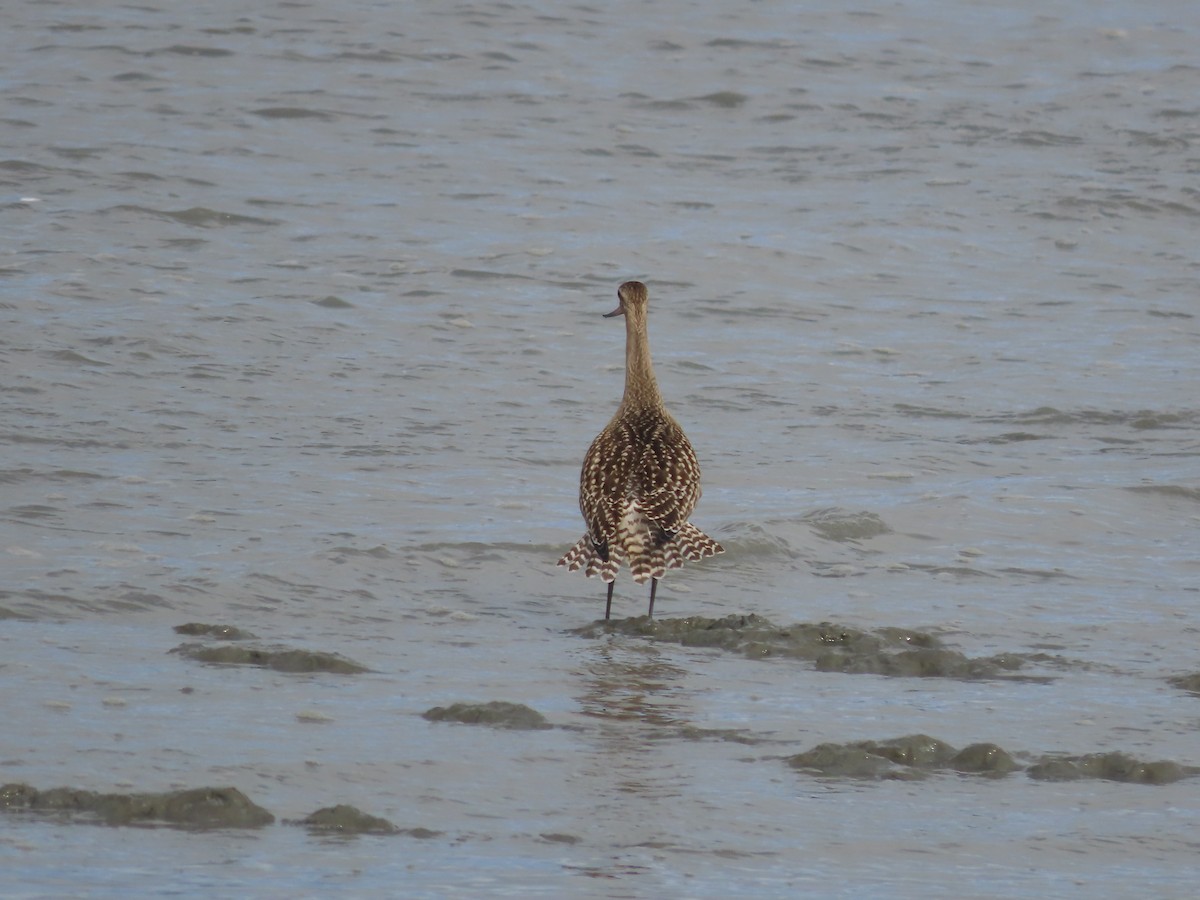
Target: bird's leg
[
  {"x": 608, "y": 605},
  {"x": 653, "y": 588}
]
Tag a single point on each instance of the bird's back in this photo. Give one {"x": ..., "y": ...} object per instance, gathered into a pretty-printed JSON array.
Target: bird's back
[{"x": 640, "y": 482}]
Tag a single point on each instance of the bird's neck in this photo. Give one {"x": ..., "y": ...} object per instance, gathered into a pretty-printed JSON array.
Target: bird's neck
[{"x": 641, "y": 388}]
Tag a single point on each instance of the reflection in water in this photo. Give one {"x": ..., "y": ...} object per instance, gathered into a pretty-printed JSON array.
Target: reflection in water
[
  {"x": 628, "y": 683},
  {"x": 636, "y": 694},
  {"x": 644, "y": 792}
]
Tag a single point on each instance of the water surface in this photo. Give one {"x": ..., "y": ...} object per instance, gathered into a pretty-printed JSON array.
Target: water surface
[{"x": 301, "y": 333}]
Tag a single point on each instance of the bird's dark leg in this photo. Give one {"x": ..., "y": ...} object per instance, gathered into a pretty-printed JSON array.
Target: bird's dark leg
[
  {"x": 608, "y": 605},
  {"x": 653, "y": 588}
]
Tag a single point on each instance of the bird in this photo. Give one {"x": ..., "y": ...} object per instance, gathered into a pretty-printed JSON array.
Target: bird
[{"x": 640, "y": 479}]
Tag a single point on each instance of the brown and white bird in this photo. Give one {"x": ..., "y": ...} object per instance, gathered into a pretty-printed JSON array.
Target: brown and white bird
[{"x": 640, "y": 479}]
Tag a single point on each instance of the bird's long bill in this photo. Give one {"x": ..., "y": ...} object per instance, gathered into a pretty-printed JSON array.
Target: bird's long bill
[{"x": 619, "y": 311}]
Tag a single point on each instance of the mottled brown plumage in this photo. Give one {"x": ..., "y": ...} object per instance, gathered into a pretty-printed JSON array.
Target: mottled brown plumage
[{"x": 640, "y": 479}]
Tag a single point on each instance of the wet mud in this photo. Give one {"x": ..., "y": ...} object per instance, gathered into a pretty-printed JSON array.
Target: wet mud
[
  {"x": 197, "y": 808},
  {"x": 1110, "y": 767},
  {"x": 497, "y": 713},
  {"x": 346, "y": 819},
  {"x": 279, "y": 659},
  {"x": 897, "y": 652},
  {"x": 917, "y": 756}
]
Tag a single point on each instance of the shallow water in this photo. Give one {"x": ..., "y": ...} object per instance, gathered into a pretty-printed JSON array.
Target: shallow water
[{"x": 301, "y": 333}]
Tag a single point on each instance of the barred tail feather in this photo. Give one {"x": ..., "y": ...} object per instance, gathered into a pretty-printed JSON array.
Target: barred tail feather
[
  {"x": 584, "y": 556},
  {"x": 646, "y": 558},
  {"x": 694, "y": 544}
]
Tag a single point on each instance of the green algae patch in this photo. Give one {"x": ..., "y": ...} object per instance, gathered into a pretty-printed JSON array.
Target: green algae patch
[
  {"x": 497, "y": 713},
  {"x": 1109, "y": 767},
  {"x": 916, "y": 756},
  {"x": 908, "y": 758},
  {"x": 347, "y": 820},
  {"x": 219, "y": 632},
  {"x": 848, "y": 761},
  {"x": 895, "y": 652},
  {"x": 983, "y": 759},
  {"x": 197, "y": 808},
  {"x": 911, "y": 750},
  {"x": 1189, "y": 683},
  {"x": 280, "y": 659},
  {"x": 919, "y": 662}
]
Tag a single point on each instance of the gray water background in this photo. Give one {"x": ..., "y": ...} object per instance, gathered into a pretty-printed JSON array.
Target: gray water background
[{"x": 301, "y": 332}]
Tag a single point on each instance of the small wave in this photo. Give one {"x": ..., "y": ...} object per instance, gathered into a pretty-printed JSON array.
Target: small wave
[
  {"x": 197, "y": 215},
  {"x": 839, "y": 525},
  {"x": 1167, "y": 490}
]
